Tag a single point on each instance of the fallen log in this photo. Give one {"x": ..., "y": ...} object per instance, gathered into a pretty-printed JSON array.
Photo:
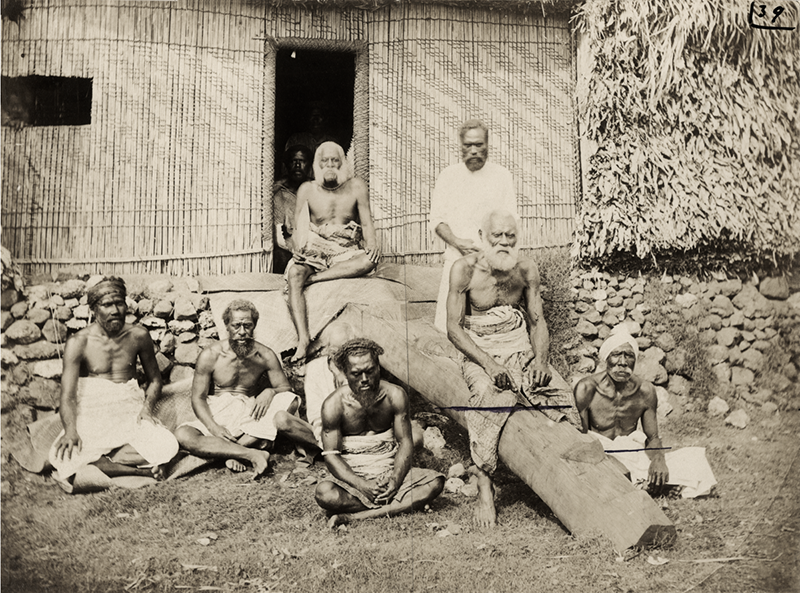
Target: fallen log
[{"x": 568, "y": 470}]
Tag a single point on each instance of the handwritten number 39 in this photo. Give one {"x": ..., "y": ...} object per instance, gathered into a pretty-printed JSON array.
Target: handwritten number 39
[{"x": 777, "y": 11}]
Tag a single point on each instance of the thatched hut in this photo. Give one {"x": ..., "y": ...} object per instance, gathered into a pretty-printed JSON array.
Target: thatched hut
[{"x": 156, "y": 147}]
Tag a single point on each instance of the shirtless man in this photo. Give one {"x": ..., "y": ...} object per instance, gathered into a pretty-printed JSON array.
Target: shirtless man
[
  {"x": 612, "y": 402},
  {"x": 108, "y": 419},
  {"x": 252, "y": 400},
  {"x": 332, "y": 211},
  {"x": 504, "y": 364},
  {"x": 367, "y": 444}
]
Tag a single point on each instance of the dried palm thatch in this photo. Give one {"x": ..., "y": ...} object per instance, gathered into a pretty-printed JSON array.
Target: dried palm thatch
[
  {"x": 695, "y": 119},
  {"x": 520, "y": 6}
]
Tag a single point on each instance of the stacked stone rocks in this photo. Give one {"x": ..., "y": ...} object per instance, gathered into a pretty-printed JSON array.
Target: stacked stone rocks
[
  {"x": 35, "y": 329},
  {"x": 735, "y": 322}
]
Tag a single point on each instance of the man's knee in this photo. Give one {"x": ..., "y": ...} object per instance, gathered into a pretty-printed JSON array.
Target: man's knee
[
  {"x": 327, "y": 495},
  {"x": 282, "y": 420},
  {"x": 436, "y": 488},
  {"x": 186, "y": 435},
  {"x": 297, "y": 274}
]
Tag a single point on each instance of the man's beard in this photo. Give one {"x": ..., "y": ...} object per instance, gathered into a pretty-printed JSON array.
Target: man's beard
[
  {"x": 241, "y": 348},
  {"x": 332, "y": 182},
  {"x": 502, "y": 262},
  {"x": 364, "y": 398}
]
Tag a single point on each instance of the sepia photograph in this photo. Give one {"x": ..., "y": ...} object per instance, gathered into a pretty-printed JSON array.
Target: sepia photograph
[{"x": 399, "y": 296}]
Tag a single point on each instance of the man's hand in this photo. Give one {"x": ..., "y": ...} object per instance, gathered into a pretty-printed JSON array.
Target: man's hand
[
  {"x": 501, "y": 377},
  {"x": 466, "y": 246},
  {"x": 263, "y": 402},
  {"x": 374, "y": 252},
  {"x": 658, "y": 475},
  {"x": 69, "y": 442},
  {"x": 388, "y": 493},
  {"x": 371, "y": 489},
  {"x": 221, "y": 433},
  {"x": 540, "y": 374}
]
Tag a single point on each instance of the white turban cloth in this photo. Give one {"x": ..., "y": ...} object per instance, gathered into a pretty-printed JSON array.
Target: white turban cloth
[{"x": 619, "y": 336}]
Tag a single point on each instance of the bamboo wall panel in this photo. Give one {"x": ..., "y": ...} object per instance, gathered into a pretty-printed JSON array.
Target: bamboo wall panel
[
  {"x": 433, "y": 67},
  {"x": 168, "y": 176}
]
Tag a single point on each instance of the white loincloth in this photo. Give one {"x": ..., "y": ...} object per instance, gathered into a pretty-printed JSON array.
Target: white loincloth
[
  {"x": 688, "y": 466},
  {"x": 233, "y": 411},
  {"x": 107, "y": 419}
]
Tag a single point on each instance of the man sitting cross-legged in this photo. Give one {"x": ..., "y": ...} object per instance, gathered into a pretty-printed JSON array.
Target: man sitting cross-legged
[
  {"x": 331, "y": 212},
  {"x": 108, "y": 419},
  {"x": 252, "y": 400},
  {"x": 611, "y": 404},
  {"x": 503, "y": 363},
  {"x": 366, "y": 433}
]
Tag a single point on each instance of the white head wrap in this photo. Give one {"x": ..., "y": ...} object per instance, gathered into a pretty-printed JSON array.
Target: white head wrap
[{"x": 619, "y": 336}]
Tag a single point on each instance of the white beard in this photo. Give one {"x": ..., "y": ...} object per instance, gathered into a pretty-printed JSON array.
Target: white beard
[{"x": 503, "y": 262}]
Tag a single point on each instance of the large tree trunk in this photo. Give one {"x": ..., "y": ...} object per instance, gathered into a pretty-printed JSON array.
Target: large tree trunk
[{"x": 567, "y": 470}]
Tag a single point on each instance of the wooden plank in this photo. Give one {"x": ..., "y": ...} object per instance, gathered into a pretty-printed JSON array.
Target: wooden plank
[{"x": 566, "y": 469}]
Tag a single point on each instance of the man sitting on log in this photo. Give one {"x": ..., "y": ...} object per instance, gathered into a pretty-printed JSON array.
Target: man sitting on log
[
  {"x": 611, "y": 404},
  {"x": 332, "y": 211},
  {"x": 504, "y": 363},
  {"x": 108, "y": 419},
  {"x": 366, "y": 433},
  {"x": 252, "y": 398}
]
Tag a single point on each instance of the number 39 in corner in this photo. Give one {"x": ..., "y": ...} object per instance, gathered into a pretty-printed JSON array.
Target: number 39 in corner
[{"x": 771, "y": 14}]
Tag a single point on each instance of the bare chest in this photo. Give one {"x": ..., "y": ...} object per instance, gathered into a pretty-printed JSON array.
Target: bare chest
[
  {"x": 486, "y": 291},
  {"x": 104, "y": 356},
  {"x": 359, "y": 421},
  {"x": 238, "y": 375},
  {"x": 337, "y": 207}
]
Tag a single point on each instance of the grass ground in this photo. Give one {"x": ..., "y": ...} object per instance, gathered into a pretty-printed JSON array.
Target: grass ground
[{"x": 270, "y": 535}]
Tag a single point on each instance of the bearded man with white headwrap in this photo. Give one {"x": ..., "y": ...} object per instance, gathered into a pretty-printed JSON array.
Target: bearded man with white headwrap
[
  {"x": 611, "y": 404},
  {"x": 334, "y": 236},
  {"x": 505, "y": 360}
]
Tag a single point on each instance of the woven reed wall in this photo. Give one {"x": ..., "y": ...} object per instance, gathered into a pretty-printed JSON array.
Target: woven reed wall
[
  {"x": 168, "y": 176},
  {"x": 174, "y": 173},
  {"x": 431, "y": 68}
]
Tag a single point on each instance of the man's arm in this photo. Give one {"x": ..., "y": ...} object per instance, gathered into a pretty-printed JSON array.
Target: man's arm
[
  {"x": 367, "y": 224},
  {"x": 203, "y": 375},
  {"x": 460, "y": 277},
  {"x": 658, "y": 474},
  {"x": 402, "y": 433},
  {"x": 584, "y": 393},
  {"x": 332, "y": 448},
  {"x": 464, "y": 246},
  {"x": 277, "y": 381},
  {"x": 539, "y": 336},
  {"x": 147, "y": 356},
  {"x": 68, "y": 408}
]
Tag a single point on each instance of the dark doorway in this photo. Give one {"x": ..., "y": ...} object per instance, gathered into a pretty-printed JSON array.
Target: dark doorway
[{"x": 313, "y": 103}]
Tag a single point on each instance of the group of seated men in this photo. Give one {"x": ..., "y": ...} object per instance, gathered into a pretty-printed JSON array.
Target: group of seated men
[{"x": 242, "y": 399}]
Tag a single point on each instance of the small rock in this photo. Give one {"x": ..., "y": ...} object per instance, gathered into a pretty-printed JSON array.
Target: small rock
[
  {"x": 615, "y": 301},
  {"x": 210, "y": 333},
  {"x": 187, "y": 354},
  {"x": 41, "y": 393},
  {"x": 37, "y": 351},
  {"x": 81, "y": 312},
  {"x": 769, "y": 408},
  {"x": 164, "y": 363},
  {"x": 643, "y": 342},
  {"x": 677, "y": 360},
  {"x": 23, "y": 331},
  {"x": 192, "y": 284},
  {"x": 19, "y": 309},
  {"x": 168, "y": 344},
  {"x": 453, "y": 485},
  {"x": 457, "y": 471},
  {"x": 742, "y": 376},
  {"x": 649, "y": 366},
  {"x": 637, "y": 315},
  {"x": 144, "y": 307},
  {"x": 601, "y": 306},
  {"x": 722, "y": 371},
  {"x": 157, "y": 289},
  {"x": 49, "y": 369},
  {"x": 722, "y": 306},
  {"x": 71, "y": 303},
  {"x": 666, "y": 342},
  {"x": 775, "y": 288},
  {"x": 179, "y": 327},
  {"x": 586, "y": 329},
  {"x": 738, "y": 419},
  {"x": 8, "y": 358},
  {"x": 759, "y": 396},
  {"x": 753, "y": 359},
  {"x": 9, "y": 298},
  {"x": 730, "y": 287},
  {"x": 6, "y": 319},
  {"x": 726, "y": 336},
  {"x": 184, "y": 309},
  {"x": 153, "y": 322},
  {"x": 76, "y": 324},
  {"x": 130, "y": 319},
  {"x": 718, "y": 407},
  {"x": 789, "y": 371},
  {"x": 470, "y": 489},
  {"x": 433, "y": 439},
  {"x": 63, "y": 313},
  {"x": 71, "y": 289},
  {"x": 592, "y": 316},
  {"x": 585, "y": 365},
  {"x": 761, "y": 346},
  {"x": 186, "y": 337},
  {"x": 599, "y": 295},
  {"x": 664, "y": 407},
  {"x": 163, "y": 309},
  {"x": 679, "y": 386},
  {"x": 633, "y": 327},
  {"x": 686, "y": 300}
]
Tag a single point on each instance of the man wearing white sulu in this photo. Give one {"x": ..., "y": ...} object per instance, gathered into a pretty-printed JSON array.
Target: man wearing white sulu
[
  {"x": 108, "y": 419},
  {"x": 611, "y": 404}
]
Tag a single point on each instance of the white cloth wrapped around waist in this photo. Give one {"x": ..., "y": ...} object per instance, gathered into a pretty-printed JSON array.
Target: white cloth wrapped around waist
[
  {"x": 108, "y": 418},
  {"x": 688, "y": 466},
  {"x": 501, "y": 331},
  {"x": 370, "y": 455}
]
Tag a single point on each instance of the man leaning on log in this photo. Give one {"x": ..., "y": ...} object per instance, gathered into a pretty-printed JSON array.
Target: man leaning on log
[{"x": 504, "y": 362}]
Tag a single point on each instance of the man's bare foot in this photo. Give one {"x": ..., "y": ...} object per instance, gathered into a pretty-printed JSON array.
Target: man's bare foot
[
  {"x": 235, "y": 465},
  {"x": 159, "y": 472},
  {"x": 260, "y": 463},
  {"x": 300, "y": 353},
  {"x": 485, "y": 512},
  {"x": 335, "y": 520}
]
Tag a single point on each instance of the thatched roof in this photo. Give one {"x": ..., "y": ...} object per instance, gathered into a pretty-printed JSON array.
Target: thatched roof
[{"x": 517, "y": 6}]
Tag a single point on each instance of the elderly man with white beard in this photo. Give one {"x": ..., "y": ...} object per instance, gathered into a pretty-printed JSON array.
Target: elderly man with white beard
[
  {"x": 504, "y": 363},
  {"x": 335, "y": 234}
]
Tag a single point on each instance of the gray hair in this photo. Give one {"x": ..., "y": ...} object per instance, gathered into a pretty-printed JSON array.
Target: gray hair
[{"x": 473, "y": 124}]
